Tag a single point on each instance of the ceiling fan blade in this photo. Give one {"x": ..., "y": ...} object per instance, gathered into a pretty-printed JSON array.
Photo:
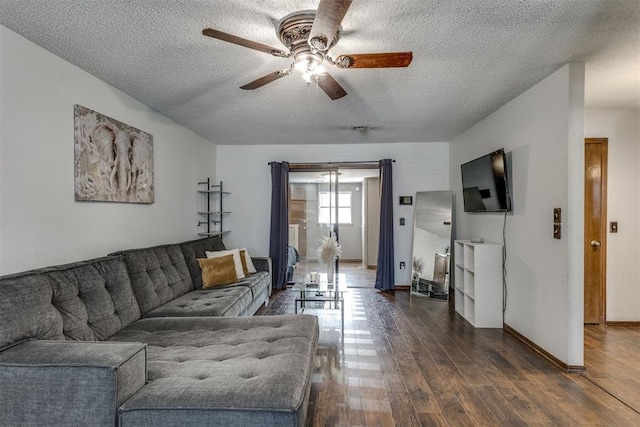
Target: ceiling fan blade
[
  {"x": 330, "y": 86},
  {"x": 244, "y": 42},
  {"x": 265, "y": 80},
  {"x": 326, "y": 23},
  {"x": 374, "y": 60}
]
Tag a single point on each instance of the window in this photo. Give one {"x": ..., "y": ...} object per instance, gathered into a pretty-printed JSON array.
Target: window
[{"x": 326, "y": 200}]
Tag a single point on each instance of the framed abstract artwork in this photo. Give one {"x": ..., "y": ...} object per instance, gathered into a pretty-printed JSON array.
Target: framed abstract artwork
[{"x": 113, "y": 161}]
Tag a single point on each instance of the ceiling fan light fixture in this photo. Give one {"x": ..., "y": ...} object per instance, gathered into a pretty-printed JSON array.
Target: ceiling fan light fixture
[{"x": 307, "y": 61}]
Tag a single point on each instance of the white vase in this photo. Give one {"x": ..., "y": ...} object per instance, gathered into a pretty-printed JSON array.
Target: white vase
[{"x": 330, "y": 268}]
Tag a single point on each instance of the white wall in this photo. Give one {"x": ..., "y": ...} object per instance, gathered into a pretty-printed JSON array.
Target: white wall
[
  {"x": 351, "y": 234},
  {"x": 40, "y": 223},
  {"x": 622, "y": 127},
  {"x": 245, "y": 172},
  {"x": 543, "y": 130}
]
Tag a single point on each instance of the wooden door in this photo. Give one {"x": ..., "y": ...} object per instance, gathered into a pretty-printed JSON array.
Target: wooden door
[{"x": 595, "y": 221}]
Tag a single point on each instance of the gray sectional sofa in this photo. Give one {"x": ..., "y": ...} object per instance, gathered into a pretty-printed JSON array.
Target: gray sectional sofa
[{"x": 132, "y": 339}]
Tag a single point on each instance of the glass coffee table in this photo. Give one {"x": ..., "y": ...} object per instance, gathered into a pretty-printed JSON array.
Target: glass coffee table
[{"x": 323, "y": 292}]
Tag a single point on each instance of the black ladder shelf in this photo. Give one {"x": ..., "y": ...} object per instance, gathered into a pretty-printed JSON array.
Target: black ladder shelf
[{"x": 212, "y": 217}]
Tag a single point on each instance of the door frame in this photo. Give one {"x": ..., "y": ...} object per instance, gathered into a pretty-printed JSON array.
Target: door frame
[
  {"x": 604, "y": 143},
  {"x": 333, "y": 167}
]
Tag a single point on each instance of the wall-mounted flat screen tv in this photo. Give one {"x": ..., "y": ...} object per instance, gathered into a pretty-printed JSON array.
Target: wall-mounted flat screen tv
[{"x": 485, "y": 184}]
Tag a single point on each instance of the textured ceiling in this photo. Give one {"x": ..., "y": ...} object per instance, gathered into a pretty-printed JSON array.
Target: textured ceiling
[{"x": 470, "y": 58}]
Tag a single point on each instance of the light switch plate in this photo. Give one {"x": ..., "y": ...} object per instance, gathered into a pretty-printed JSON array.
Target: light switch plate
[
  {"x": 557, "y": 231},
  {"x": 613, "y": 227},
  {"x": 557, "y": 215}
]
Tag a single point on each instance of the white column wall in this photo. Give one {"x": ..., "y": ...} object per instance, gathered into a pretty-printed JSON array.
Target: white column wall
[{"x": 542, "y": 129}]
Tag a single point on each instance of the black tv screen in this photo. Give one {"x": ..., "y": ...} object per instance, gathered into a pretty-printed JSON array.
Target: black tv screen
[{"x": 485, "y": 184}]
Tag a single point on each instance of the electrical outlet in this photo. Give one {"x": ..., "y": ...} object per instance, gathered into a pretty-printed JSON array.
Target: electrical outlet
[
  {"x": 401, "y": 221},
  {"x": 402, "y": 265}
]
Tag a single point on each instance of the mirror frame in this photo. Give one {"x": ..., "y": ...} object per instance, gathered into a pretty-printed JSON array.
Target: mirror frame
[{"x": 437, "y": 216}]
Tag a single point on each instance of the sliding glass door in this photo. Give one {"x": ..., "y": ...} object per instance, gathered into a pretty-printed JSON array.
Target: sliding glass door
[
  {"x": 340, "y": 200},
  {"x": 313, "y": 214}
]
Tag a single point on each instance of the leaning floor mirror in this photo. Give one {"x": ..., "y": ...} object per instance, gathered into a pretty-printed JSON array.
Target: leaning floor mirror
[{"x": 431, "y": 244}]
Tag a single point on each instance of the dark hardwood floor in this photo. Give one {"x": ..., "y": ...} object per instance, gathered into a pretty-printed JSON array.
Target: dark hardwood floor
[
  {"x": 409, "y": 362},
  {"x": 612, "y": 362}
]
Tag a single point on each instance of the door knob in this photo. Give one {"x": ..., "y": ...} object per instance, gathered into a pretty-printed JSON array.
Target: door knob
[{"x": 595, "y": 243}]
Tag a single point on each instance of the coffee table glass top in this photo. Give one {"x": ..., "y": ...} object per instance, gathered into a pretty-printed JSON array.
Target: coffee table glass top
[{"x": 339, "y": 285}]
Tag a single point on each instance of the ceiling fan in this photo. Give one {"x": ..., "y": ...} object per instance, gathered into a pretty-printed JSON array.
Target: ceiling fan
[{"x": 308, "y": 36}]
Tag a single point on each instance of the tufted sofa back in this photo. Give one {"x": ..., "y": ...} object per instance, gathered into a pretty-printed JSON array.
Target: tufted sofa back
[
  {"x": 88, "y": 300},
  {"x": 195, "y": 249},
  {"x": 94, "y": 298},
  {"x": 158, "y": 275},
  {"x": 26, "y": 311}
]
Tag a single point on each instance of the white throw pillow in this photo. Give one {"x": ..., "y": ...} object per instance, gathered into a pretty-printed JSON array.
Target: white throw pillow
[
  {"x": 236, "y": 259},
  {"x": 250, "y": 267}
]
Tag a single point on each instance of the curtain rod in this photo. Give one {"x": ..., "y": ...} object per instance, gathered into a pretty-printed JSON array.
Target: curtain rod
[{"x": 336, "y": 163}]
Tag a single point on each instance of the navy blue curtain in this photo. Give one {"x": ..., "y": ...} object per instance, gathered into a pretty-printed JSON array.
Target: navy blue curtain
[
  {"x": 385, "y": 274},
  {"x": 279, "y": 238}
]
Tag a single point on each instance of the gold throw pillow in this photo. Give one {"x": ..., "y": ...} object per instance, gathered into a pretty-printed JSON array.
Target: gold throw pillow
[
  {"x": 236, "y": 259},
  {"x": 218, "y": 271},
  {"x": 243, "y": 260},
  {"x": 249, "y": 262}
]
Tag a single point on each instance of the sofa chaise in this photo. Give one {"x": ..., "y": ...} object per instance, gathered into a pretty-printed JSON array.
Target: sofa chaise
[{"x": 132, "y": 339}]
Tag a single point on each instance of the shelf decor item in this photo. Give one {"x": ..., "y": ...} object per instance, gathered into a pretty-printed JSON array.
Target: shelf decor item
[
  {"x": 328, "y": 251},
  {"x": 113, "y": 161},
  {"x": 418, "y": 267}
]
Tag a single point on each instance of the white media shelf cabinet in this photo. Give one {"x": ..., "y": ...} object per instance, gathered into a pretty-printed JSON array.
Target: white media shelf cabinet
[{"x": 478, "y": 283}]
